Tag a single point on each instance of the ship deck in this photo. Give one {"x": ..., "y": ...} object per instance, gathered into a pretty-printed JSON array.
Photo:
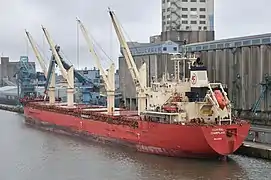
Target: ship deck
[{"x": 89, "y": 108}]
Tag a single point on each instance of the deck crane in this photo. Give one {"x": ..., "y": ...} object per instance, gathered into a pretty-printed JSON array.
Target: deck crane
[
  {"x": 139, "y": 76},
  {"x": 87, "y": 83},
  {"x": 67, "y": 74},
  {"x": 52, "y": 77},
  {"x": 108, "y": 79},
  {"x": 37, "y": 53}
]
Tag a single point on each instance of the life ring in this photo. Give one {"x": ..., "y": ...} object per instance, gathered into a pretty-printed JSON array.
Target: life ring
[{"x": 220, "y": 99}]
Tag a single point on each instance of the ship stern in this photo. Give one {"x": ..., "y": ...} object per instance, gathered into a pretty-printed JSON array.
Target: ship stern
[{"x": 226, "y": 139}]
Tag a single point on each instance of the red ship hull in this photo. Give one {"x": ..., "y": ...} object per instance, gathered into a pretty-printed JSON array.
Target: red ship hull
[{"x": 200, "y": 141}]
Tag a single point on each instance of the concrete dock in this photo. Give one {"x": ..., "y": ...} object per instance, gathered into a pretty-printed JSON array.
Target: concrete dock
[
  {"x": 260, "y": 134},
  {"x": 11, "y": 108},
  {"x": 253, "y": 149}
]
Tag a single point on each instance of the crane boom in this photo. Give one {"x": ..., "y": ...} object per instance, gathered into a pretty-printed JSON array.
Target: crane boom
[
  {"x": 37, "y": 53},
  {"x": 57, "y": 58},
  {"x": 92, "y": 51},
  {"x": 139, "y": 76},
  {"x": 109, "y": 79},
  {"x": 68, "y": 75},
  {"x": 51, "y": 70},
  {"x": 127, "y": 53}
]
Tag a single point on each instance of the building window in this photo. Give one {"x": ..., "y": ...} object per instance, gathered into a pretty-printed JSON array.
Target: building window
[
  {"x": 184, "y": 16},
  {"x": 168, "y": 0},
  {"x": 164, "y": 17},
  {"x": 164, "y": 48},
  {"x": 202, "y": 0},
  {"x": 164, "y": 23},
  {"x": 184, "y": 22},
  {"x": 168, "y": 22},
  {"x": 199, "y": 27},
  {"x": 193, "y": 0},
  {"x": 187, "y": 27},
  {"x": 174, "y": 48},
  {"x": 168, "y": 9},
  {"x": 193, "y": 22},
  {"x": 202, "y": 22},
  {"x": 184, "y": 0},
  {"x": 164, "y": 1},
  {"x": 205, "y": 28},
  {"x": 202, "y": 16},
  {"x": 164, "y": 10},
  {"x": 193, "y": 9},
  {"x": 168, "y": 16},
  {"x": 202, "y": 9},
  {"x": 193, "y": 16},
  {"x": 184, "y": 9}
]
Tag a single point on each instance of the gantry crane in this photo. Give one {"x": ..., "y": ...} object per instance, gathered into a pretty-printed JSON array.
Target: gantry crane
[
  {"x": 67, "y": 74},
  {"x": 26, "y": 77},
  {"x": 139, "y": 76},
  {"x": 108, "y": 79}
]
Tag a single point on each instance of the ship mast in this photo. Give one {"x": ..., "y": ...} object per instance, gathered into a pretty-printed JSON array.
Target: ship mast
[
  {"x": 182, "y": 57},
  {"x": 139, "y": 76},
  {"x": 108, "y": 79},
  {"x": 68, "y": 75}
]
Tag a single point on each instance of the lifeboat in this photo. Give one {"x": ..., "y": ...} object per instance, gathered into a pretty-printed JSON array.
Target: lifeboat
[{"x": 220, "y": 99}]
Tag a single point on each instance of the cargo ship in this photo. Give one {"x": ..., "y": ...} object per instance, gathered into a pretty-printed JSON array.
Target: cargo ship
[{"x": 188, "y": 117}]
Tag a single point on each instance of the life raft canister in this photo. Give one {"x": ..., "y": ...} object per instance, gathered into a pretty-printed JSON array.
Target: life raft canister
[
  {"x": 220, "y": 99},
  {"x": 170, "y": 108}
]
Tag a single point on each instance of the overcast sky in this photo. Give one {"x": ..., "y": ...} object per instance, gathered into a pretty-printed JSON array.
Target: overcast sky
[{"x": 140, "y": 19}]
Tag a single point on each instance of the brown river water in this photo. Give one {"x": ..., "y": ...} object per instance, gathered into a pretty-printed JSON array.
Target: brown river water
[{"x": 31, "y": 154}]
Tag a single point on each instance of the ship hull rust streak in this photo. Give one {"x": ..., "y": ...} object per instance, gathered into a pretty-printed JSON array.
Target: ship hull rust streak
[{"x": 198, "y": 141}]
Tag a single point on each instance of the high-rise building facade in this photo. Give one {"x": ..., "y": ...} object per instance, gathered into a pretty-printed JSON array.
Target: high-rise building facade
[{"x": 187, "y": 15}]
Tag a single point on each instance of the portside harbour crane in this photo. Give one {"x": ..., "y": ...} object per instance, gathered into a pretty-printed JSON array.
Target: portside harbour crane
[
  {"x": 265, "y": 87},
  {"x": 26, "y": 77}
]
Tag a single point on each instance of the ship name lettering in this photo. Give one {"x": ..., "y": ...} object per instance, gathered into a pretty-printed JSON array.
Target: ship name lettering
[
  {"x": 218, "y": 129},
  {"x": 217, "y": 132}
]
